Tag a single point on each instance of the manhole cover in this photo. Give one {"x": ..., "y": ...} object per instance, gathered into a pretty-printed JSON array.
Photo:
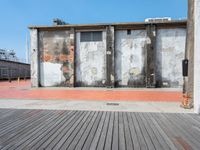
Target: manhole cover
[{"x": 112, "y": 104}]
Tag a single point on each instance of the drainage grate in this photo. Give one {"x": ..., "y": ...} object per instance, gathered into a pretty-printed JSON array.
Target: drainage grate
[{"x": 112, "y": 104}]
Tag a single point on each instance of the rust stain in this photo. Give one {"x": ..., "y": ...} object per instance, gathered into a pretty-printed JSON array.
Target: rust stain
[
  {"x": 60, "y": 51},
  {"x": 47, "y": 57},
  {"x": 183, "y": 143},
  {"x": 63, "y": 57}
]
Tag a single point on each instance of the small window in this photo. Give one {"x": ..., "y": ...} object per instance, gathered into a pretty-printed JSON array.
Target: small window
[
  {"x": 91, "y": 36},
  {"x": 128, "y": 32}
]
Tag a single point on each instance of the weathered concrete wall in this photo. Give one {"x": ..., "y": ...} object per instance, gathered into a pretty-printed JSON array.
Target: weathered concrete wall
[
  {"x": 124, "y": 58},
  {"x": 130, "y": 58},
  {"x": 56, "y": 58},
  {"x": 170, "y": 53},
  {"x": 91, "y": 62},
  {"x": 34, "y": 58}
]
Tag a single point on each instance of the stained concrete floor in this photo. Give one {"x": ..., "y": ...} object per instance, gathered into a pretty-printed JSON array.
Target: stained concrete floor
[{"x": 169, "y": 107}]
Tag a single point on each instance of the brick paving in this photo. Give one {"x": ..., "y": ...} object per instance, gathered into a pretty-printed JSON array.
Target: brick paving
[{"x": 23, "y": 90}]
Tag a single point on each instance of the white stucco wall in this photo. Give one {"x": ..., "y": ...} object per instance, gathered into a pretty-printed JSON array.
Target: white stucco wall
[
  {"x": 197, "y": 57},
  {"x": 51, "y": 74},
  {"x": 170, "y": 48},
  {"x": 91, "y": 61},
  {"x": 129, "y": 56}
]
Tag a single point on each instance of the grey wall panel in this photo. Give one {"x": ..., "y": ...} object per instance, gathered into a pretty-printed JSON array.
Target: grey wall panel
[
  {"x": 130, "y": 58},
  {"x": 170, "y": 52},
  {"x": 90, "y": 62}
]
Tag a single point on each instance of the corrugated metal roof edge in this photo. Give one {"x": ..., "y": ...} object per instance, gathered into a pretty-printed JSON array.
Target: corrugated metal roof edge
[{"x": 16, "y": 62}]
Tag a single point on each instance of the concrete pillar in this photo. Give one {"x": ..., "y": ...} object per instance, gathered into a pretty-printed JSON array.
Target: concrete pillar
[
  {"x": 110, "y": 56},
  {"x": 34, "y": 58},
  {"x": 196, "y": 93},
  {"x": 72, "y": 57},
  {"x": 151, "y": 56},
  {"x": 193, "y": 54}
]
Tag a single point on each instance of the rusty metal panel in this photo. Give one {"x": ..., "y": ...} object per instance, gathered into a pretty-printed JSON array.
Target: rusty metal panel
[
  {"x": 130, "y": 58},
  {"x": 91, "y": 62},
  {"x": 56, "y": 58},
  {"x": 170, "y": 53}
]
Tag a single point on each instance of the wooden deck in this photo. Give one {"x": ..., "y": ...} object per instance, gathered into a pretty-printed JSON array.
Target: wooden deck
[{"x": 90, "y": 130}]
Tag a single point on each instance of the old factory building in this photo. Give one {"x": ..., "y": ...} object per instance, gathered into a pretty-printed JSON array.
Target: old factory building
[{"x": 147, "y": 54}]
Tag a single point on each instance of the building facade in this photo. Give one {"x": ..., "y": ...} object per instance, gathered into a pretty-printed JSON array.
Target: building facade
[
  {"x": 11, "y": 67},
  {"x": 147, "y": 54}
]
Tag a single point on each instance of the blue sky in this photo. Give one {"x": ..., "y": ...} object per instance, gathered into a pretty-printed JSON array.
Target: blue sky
[{"x": 16, "y": 15}]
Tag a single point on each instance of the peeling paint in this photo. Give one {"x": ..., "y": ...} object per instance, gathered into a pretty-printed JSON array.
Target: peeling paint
[
  {"x": 129, "y": 58},
  {"x": 120, "y": 59},
  {"x": 56, "y": 54},
  {"x": 90, "y": 62},
  {"x": 170, "y": 53},
  {"x": 52, "y": 74}
]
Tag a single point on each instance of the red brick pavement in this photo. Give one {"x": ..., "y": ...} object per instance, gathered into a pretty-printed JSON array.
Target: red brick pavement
[{"x": 23, "y": 90}]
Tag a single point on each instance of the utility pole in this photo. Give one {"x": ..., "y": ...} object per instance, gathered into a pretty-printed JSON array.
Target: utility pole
[{"x": 27, "y": 49}]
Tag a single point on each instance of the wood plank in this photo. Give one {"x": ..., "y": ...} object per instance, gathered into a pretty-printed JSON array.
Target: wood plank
[
  {"x": 102, "y": 139},
  {"x": 93, "y": 130},
  {"x": 150, "y": 132},
  {"x": 75, "y": 132},
  {"x": 25, "y": 133},
  {"x": 16, "y": 116},
  {"x": 192, "y": 129},
  {"x": 98, "y": 133},
  {"x": 18, "y": 124},
  {"x": 146, "y": 136},
  {"x": 47, "y": 134},
  {"x": 183, "y": 134},
  {"x": 64, "y": 129},
  {"x": 122, "y": 143},
  {"x": 141, "y": 140},
  {"x": 40, "y": 130},
  {"x": 128, "y": 140},
  {"x": 77, "y": 138},
  {"x": 172, "y": 129},
  {"x": 133, "y": 132},
  {"x": 13, "y": 134},
  {"x": 165, "y": 131},
  {"x": 108, "y": 142},
  {"x": 158, "y": 134},
  {"x": 55, "y": 132},
  {"x": 86, "y": 132},
  {"x": 115, "y": 142},
  {"x": 59, "y": 129},
  {"x": 70, "y": 128}
]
